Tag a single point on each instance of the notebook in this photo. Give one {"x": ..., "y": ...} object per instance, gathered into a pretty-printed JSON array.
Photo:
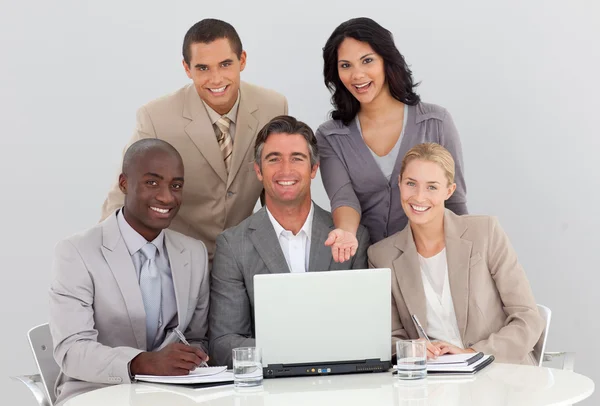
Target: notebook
[
  {"x": 471, "y": 365},
  {"x": 201, "y": 375},
  {"x": 456, "y": 359},
  {"x": 459, "y": 364}
]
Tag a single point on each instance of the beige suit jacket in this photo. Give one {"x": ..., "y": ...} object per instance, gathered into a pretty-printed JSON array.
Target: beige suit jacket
[
  {"x": 97, "y": 316},
  {"x": 212, "y": 201},
  {"x": 493, "y": 302}
]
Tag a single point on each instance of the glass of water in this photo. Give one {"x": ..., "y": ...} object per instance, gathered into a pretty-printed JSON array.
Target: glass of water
[
  {"x": 247, "y": 367},
  {"x": 412, "y": 359}
]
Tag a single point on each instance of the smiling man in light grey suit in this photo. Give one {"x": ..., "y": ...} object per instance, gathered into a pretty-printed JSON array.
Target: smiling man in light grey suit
[
  {"x": 122, "y": 287},
  {"x": 288, "y": 235}
]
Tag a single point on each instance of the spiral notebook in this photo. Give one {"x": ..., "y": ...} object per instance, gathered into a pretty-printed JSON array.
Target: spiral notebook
[
  {"x": 453, "y": 364},
  {"x": 201, "y": 375},
  {"x": 459, "y": 364}
]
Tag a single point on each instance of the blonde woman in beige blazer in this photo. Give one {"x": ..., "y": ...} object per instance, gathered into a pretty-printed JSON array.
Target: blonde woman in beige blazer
[{"x": 458, "y": 274}]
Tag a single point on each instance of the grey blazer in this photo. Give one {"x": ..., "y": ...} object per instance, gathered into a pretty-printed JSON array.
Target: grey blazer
[
  {"x": 352, "y": 177},
  {"x": 97, "y": 316},
  {"x": 249, "y": 249}
]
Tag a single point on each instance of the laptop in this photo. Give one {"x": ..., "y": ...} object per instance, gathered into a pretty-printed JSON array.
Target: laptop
[{"x": 322, "y": 323}]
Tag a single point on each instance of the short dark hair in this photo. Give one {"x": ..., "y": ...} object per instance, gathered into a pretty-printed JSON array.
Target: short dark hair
[
  {"x": 286, "y": 125},
  {"x": 397, "y": 73},
  {"x": 141, "y": 147},
  {"x": 209, "y": 30}
]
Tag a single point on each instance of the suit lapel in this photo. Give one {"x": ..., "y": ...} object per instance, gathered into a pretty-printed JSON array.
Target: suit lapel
[
  {"x": 458, "y": 254},
  {"x": 320, "y": 255},
  {"x": 266, "y": 243},
  {"x": 119, "y": 261},
  {"x": 201, "y": 132},
  {"x": 408, "y": 274},
  {"x": 245, "y": 129},
  {"x": 179, "y": 260}
]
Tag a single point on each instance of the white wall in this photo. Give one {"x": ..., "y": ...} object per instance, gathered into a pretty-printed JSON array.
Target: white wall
[{"x": 520, "y": 78}]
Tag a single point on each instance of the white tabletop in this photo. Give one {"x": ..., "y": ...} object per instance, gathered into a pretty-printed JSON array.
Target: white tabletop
[{"x": 498, "y": 384}]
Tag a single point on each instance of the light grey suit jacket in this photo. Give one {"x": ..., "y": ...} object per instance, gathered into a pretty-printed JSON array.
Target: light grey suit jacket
[
  {"x": 97, "y": 316},
  {"x": 494, "y": 305},
  {"x": 252, "y": 248}
]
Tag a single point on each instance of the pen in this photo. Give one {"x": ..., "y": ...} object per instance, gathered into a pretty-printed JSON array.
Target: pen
[
  {"x": 420, "y": 328},
  {"x": 184, "y": 341}
]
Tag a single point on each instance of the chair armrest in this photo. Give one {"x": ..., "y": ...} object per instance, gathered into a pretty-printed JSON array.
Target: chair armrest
[
  {"x": 568, "y": 359},
  {"x": 32, "y": 381}
]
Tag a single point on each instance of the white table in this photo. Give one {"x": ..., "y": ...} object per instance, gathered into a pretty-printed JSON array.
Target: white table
[{"x": 498, "y": 384}]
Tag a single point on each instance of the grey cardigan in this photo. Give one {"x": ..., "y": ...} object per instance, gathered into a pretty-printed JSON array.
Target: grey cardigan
[{"x": 352, "y": 177}]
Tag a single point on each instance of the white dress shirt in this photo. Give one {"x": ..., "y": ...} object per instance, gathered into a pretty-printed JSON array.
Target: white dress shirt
[
  {"x": 441, "y": 318},
  {"x": 134, "y": 242},
  {"x": 296, "y": 248}
]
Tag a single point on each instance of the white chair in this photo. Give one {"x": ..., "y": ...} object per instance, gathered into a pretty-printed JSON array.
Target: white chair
[
  {"x": 539, "y": 350},
  {"x": 41, "y": 385}
]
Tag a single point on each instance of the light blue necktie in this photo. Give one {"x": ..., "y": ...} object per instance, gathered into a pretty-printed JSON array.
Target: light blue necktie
[{"x": 150, "y": 286}]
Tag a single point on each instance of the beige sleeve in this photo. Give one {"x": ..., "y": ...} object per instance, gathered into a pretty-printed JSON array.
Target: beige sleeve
[{"x": 523, "y": 326}]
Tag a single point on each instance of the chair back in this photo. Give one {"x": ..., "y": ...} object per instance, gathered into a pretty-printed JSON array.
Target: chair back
[
  {"x": 40, "y": 341},
  {"x": 540, "y": 346}
]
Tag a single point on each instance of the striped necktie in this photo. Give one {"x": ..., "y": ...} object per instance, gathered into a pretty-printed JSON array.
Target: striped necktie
[{"x": 225, "y": 141}]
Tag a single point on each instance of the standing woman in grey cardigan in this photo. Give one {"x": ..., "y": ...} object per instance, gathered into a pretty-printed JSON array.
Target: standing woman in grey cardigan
[{"x": 377, "y": 118}]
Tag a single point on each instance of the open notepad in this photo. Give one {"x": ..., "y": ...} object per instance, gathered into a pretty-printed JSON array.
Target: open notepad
[{"x": 202, "y": 375}]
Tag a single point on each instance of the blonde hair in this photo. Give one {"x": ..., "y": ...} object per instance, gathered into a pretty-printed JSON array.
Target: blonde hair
[{"x": 431, "y": 152}]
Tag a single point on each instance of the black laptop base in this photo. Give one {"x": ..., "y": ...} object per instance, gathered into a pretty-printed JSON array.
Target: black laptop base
[{"x": 325, "y": 368}]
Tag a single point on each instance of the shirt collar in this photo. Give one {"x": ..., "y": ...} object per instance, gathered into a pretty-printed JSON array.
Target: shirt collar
[
  {"x": 134, "y": 240},
  {"x": 307, "y": 227},
  {"x": 232, "y": 115}
]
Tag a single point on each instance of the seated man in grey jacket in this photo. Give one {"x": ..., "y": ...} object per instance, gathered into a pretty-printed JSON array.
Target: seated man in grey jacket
[
  {"x": 122, "y": 287},
  {"x": 287, "y": 235}
]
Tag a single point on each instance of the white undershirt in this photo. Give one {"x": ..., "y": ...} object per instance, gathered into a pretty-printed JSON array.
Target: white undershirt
[
  {"x": 296, "y": 248},
  {"x": 441, "y": 318}
]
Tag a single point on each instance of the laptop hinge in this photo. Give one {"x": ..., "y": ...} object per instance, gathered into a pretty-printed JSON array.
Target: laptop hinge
[{"x": 326, "y": 368}]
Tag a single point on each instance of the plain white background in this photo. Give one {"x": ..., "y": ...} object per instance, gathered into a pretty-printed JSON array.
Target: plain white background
[{"x": 520, "y": 79}]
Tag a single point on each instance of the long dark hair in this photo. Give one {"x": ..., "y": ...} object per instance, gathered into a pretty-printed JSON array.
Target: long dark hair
[{"x": 397, "y": 72}]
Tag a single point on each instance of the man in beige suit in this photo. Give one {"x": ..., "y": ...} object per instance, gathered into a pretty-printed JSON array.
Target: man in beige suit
[
  {"x": 123, "y": 287},
  {"x": 213, "y": 123}
]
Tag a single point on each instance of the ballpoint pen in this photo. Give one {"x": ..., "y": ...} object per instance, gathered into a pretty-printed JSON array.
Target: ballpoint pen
[
  {"x": 184, "y": 341},
  {"x": 420, "y": 328}
]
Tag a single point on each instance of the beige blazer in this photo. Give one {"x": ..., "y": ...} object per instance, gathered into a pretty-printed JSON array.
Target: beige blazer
[
  {"x": 97, "y": 316},
  {"x": 212, "y": 201},
  {"x": 493, "y": 302}
]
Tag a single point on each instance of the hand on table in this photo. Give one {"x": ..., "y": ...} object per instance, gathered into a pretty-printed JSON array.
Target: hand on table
[
  {"x": 432, "y": 350},
  {"x": 174, "y": 359},
  {"x": 446, "y": 348}
]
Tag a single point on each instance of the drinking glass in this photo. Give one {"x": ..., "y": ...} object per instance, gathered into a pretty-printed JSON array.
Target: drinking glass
[
  {"x": 412, "y": 359},
  {"x": 247, "y": 367}
]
